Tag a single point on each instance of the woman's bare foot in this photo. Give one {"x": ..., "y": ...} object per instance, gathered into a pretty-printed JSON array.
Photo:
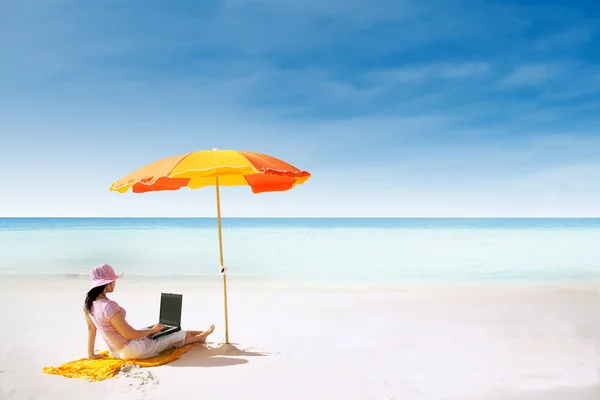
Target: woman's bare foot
[
  {"x": 206, "y": 333},
  {"x": 198, "y": 336},
  {"x": 196, "y": 333}
]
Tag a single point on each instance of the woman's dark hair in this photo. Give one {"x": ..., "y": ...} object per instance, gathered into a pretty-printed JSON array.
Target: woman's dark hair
[{"x": 91, "y": 296}]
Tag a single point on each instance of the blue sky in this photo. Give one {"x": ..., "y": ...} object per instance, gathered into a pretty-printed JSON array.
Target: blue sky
[{"x": 397, "y": 108}]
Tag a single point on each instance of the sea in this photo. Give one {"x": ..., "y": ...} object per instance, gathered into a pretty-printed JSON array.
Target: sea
[{"x": 385, "y": 250}]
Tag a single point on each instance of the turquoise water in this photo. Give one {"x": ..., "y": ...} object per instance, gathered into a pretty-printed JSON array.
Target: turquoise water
[{"x": 350, "y": 250}]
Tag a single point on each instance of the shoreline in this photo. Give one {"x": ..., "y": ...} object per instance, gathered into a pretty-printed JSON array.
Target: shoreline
[
  {"x": 248, "y": 283},
  {"x": 79, "y": 284}
]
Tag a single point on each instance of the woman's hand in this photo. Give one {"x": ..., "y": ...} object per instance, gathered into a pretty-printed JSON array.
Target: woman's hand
[
  {"x": 157, "y": 328},
  {"x": 96, "y": 356}
]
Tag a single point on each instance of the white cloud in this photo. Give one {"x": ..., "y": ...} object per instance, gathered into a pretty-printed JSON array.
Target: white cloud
[
  {"x": 531, "y": 75},
  {"x": 569, "y": 38},
  {"x": 424, "y": 73}
]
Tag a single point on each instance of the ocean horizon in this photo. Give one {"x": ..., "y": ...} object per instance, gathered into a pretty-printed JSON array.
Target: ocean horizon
[{"x": 377, "y": 250}]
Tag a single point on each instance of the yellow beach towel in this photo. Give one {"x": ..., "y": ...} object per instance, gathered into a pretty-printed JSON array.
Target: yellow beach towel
[{"x": 108, "y": 367}]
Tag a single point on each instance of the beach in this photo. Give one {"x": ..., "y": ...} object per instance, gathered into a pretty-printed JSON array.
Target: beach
[{"x": 321, "y": 341}]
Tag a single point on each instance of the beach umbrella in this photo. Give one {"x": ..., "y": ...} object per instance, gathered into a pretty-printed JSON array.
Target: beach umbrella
[{"x": 262, "y": 173}]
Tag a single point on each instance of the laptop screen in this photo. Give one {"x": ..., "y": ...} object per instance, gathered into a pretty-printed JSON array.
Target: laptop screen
[{"x": 170, "y": 309}]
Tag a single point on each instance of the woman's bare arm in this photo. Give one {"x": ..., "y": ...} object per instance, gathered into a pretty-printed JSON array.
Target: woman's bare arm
[
  {"x": 127, "y": 331},
  {"x": 91, "y": 336}
]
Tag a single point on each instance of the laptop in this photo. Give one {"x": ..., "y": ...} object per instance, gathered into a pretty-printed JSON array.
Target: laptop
[{"x": 170, "y": 315}]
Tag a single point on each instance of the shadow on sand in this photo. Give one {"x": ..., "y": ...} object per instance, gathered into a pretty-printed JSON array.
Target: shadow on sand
[{"x": 223, "y": 355}]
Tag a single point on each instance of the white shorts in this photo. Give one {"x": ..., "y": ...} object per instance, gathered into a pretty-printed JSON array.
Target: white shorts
[{"x": 148, "y": 348}]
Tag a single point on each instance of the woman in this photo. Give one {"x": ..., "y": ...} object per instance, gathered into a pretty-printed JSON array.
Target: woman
[{"x": 123, "y": 341}]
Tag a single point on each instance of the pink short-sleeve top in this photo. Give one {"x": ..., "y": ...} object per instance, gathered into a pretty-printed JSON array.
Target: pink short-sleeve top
[{"x": 102, "y": 312}]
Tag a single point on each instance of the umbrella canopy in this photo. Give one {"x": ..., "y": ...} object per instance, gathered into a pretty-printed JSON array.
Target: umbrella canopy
[
  {"x": 195, "y": 170},
  {"x": 203, "y": 168}
]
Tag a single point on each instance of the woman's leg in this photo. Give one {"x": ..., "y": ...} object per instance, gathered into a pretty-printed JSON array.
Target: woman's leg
[{"x": 198, "y": 336}]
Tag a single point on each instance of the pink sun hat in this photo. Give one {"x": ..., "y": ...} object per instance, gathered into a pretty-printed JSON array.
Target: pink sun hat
[{"x": 103, "y": 275}]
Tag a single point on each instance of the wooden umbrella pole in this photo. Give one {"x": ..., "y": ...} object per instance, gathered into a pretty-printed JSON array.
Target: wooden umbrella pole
[{"x": 223, "y": 270}]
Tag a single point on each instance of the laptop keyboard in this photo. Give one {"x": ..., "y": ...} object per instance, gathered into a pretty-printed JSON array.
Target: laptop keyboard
[{"x": 166, "y": 328}]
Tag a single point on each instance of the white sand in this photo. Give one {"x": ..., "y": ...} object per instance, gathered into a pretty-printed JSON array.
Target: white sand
[{"x": 323, "y": 343}]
